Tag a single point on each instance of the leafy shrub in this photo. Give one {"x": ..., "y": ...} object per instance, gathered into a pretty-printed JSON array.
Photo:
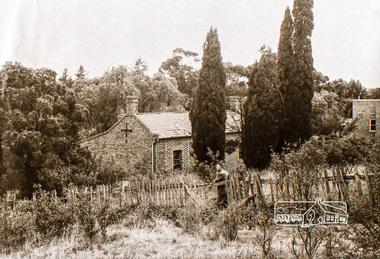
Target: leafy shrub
[
  {"x": 227, "y": 223},
  {"x": 364, "y": 229},
  {"x": 145, "y": 215},
  {"x": 46, "y": 217},
  {"x": 52, "y": 217},
  {"x": 264, "y": 230},
  {"x": 206, "y": 170},
  {"x": 15, "y": 228}
]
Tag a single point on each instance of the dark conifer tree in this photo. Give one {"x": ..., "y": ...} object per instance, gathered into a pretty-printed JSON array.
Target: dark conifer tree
[
  {"x": 208, "y": 112},
  {"x": 284, "y": 64},
  {"x": 295, "y": 72},
  {"x": 261, "y": 114}
]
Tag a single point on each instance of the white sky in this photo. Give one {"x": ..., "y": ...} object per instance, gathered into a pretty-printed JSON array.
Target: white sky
[{"x": 98, "y": 34}]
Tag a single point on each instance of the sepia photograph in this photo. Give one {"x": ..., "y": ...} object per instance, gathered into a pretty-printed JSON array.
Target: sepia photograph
[{"x": 189, "y": 129}]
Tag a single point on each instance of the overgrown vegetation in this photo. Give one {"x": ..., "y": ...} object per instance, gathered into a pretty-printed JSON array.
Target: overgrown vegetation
[
  {"x": 46, "y": 217},
  {"x": 43, "y": 118}
]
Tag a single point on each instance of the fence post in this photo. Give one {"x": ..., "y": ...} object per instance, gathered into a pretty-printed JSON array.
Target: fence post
[
  {"x": 138, "y": 192},
  {"x": 232, "y": 190},
  {"x": 287, "y": 189},
  {"x": 327, "y": 186},
  {"x": 238, "y": 189},
  {"x": 276, "y": 189},
  {"x": 183, "y": 193},
  {"x": 317, "y": 187},
  {"x": 161, "y": 191},
  {"x": 168, "y": 183},
  {"x": 177, "y": 191},
  {"x": 166, "y": 192},
  {"x": 6, "y": 211},
  {"x": 369, "y": 187},
  {"x": 358, "y": 186},
  {"x": 259, "y": 189},
  {"x": 336, "y": 185},
  {"x": 343, "y": 187},
  {"x": 105, "y": 193},
  {"x": 175, "y": 200},
  {"x": 245, "y": 187},
  {"x": 271, "y": 191},
  {"x": 251, "y": 183},
  {"x": 142, "y": 191},
  {"x": 131, "y": 186},
  {"x": 150, "y": 191},
  {"x": 155, "y": 194},
  {"x": 294, "y": 192}
]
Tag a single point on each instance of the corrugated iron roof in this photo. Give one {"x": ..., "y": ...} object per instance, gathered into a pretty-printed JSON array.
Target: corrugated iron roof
[{"x": 175, "y": 124}]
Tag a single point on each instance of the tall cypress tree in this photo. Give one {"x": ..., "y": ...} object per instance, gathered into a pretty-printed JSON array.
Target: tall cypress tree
[
  {"x": 261, "y": 114},
  {"x": 284, "y": 64},
  {"x": 295, "y": 67},
  {"x": 208, "y": 112}
]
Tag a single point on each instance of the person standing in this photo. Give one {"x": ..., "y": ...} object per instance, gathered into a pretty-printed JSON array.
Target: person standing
[{"x": 221, "y": 176}]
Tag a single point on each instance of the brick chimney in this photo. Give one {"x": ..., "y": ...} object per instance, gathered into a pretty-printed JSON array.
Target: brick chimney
[{"x": 132, "y": 105}]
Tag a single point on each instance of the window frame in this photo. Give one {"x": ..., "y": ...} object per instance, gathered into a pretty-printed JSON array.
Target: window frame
[
  {"x": 372, "y": 125},
  {"x": 177, "y": 162}
]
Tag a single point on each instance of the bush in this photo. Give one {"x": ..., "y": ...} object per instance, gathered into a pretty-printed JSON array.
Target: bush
[
  {"x": 46, "y": 217},
  {"x": 15, "y": 229},
  {"x": 227, "y": 223},
  {"x": 364, "y": 231},
  {"x": 145, "y": 215}
]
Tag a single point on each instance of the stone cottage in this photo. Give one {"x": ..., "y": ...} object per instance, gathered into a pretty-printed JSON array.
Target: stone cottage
[
  {"x": 161, "y": 142},
  {"x": 367, "y": 111}
]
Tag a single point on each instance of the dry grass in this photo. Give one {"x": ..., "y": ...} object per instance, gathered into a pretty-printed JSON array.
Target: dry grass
[{"x": 163, "y": 241}]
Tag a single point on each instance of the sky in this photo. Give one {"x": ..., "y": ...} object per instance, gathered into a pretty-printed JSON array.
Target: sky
[{"x": 100, "y": 34}]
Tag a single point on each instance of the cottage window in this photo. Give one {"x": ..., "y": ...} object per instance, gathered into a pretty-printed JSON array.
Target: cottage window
[
  {"x": 372, "y": 125},
  {"x": 177, "y": 159}
]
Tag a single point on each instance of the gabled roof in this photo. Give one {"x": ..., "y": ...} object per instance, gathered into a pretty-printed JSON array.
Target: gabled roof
[
  {"x": 167, "y": 124},
  {"x": 177, "y": 125}
]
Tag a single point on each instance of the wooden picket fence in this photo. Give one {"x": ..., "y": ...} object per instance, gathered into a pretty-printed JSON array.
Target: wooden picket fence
[{"x": 178, "y": 191}]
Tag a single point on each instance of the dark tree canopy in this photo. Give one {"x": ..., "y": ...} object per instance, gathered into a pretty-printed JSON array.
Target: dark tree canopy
[
  {"x": 262, "y": 112},
  {"x": 180, "y": 68},
  {"x": 208, "y": 112},
  {"x": 42, "y": 121},
  {"x": 236, "y": 82},
  {"x": 295, "y": 71}
]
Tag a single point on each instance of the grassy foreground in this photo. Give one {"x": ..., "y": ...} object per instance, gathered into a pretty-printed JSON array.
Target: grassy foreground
[
  {"x": 46, "y": 227},
  {"x": 163, "y": 241}
]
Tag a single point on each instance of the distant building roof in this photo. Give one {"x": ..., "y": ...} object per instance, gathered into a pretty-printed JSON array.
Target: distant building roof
[{"x": 175, "y": 124}]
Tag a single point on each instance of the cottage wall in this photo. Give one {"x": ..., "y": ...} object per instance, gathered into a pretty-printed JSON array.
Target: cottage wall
[
  {"x": 113, "y": 147},
  {"x": 163, "y": 150},
  {"x": 366, "y": 110},
  {"x": 164, "y": 154},
  {"x": 232, "y": 160}
]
